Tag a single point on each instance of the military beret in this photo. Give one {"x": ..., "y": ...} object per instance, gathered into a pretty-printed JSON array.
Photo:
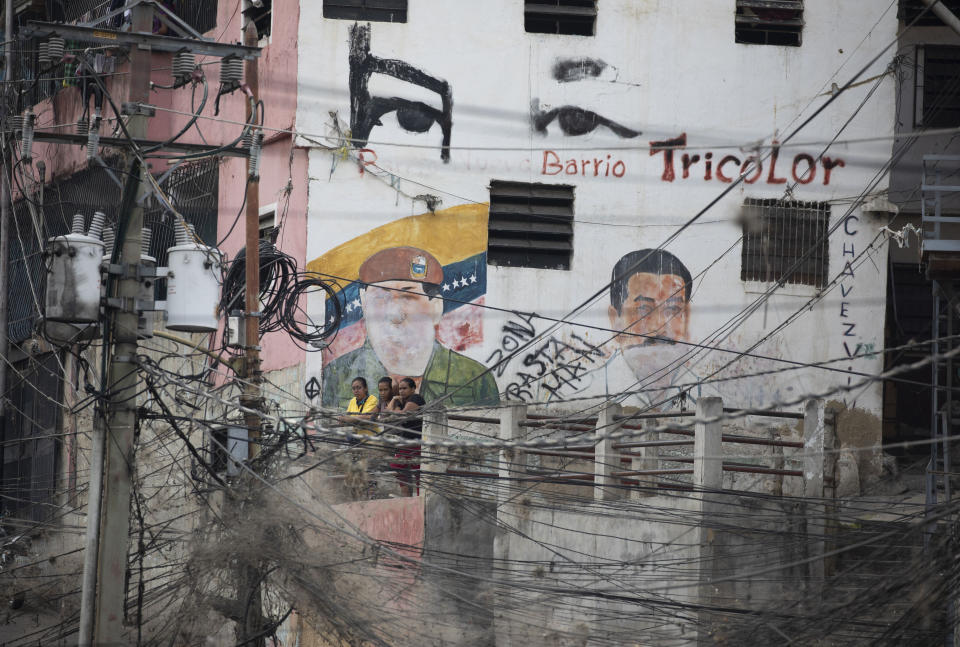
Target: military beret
[{"x": 402, "y": 264}]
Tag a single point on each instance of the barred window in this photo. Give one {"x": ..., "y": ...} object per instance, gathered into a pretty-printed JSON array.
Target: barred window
[
  {"x": 530, "y": 225},
  {"x": 937, "y": 91},
  {"x": 30, "y": 440},
  {"x": 574, "y": 17},
  {"x": 769, "y": 22},
  {"x": 785, "y": 241}
]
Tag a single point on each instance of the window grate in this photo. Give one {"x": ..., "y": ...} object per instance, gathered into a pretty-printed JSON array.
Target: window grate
[
  {"x": 373, "y": 10},
  {"x": 769, "y": 22},
  {"x": 937, "y": 91},
  {"x": 785, "y": 241},
  {"x": 572, "y": 17},
  {"x": 30, "y": 442},
  {"x": 530, "y": 225}
]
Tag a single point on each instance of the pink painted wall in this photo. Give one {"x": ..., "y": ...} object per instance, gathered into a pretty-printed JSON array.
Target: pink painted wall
[
  {"x": 281, "y": 166},
  {"x": 394, "y": 520}
]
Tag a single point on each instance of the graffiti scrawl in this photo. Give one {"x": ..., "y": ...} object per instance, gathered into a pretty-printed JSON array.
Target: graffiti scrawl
[{"x": 413, "y": 116}]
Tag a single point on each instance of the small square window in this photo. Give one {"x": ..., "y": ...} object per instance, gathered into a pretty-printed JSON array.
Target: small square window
[
  {"x": 785, "y": 241},
  {"x": 373, "y": 10},
  {"x": 574, "y": 17},
  {"x": 769, "y": 22},
  {"x": 530, "y": 225},
  {"x": 262, "y": 17},
  {"x": 268, "y": 222},
  {"x": 937, "y": 91}
]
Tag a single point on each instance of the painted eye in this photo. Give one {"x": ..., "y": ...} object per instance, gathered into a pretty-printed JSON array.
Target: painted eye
[
  {"x": 414, "y": 120},
  {"x": 575, "y": 121}
]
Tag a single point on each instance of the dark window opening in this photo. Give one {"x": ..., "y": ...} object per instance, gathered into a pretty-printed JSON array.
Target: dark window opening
[
  {"x": 937, "y": 92},
  {"x": 29, "y": 451},
  {"x": 573, "y": 17},
  {"x": 261, "y": 16},
  {"x": 769, "y": 22},
  {"x": 910, "y": 10},
  {"x": 373, "y": 10},
  {"x": 201, "y": 15},
  {"x": 785, "y": 241},
  {"x": 530, "y": 225}
]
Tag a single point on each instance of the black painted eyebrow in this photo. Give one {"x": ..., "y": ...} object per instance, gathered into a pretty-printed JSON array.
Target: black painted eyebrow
[{"x": 566, "y": 70}]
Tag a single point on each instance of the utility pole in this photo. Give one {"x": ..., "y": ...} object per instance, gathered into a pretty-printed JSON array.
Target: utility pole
[
  {"x": 123, "y": 378},
  {"x": 6, "y": 213},
  {"x": 249, "y": 629}
]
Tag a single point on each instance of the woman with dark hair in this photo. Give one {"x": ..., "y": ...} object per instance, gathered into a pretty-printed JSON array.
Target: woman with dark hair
[
  {"x": 362, "y": 405},
  {"x": 405, "y": 404},
  {"x": 387, "y": 389}
]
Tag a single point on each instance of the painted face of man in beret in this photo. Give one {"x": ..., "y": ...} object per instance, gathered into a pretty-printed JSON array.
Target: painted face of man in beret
[{"x": 400, "y": 308}]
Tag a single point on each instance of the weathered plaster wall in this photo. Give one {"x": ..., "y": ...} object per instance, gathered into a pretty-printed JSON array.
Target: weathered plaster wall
[{"x": 708, "y": 98}]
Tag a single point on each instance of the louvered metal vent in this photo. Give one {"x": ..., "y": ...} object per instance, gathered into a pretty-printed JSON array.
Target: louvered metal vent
[
  {"x": 531, "y": 225},
  {"x": 374, "y": 10},
  {"x": 574, "y": 17},
  {"x": 769, "y": 22},
  {"x": 785, "y": 241}
]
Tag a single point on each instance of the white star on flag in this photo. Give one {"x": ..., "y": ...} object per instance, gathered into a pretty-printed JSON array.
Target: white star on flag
[
  {"x": 473, "y": 278},
  {"x": 446, "y": 287}
]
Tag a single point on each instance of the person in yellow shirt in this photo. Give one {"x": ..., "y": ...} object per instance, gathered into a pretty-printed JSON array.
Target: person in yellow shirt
[{"x": 362, "y": 406}]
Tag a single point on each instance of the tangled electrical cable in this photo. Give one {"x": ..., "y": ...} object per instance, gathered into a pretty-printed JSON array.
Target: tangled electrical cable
[{"x": 281, "y": 292}]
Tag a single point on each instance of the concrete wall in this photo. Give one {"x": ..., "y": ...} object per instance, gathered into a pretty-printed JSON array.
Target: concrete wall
[
  {"x": 710, "y": 93},
  {"x": 905, "y": 176}
]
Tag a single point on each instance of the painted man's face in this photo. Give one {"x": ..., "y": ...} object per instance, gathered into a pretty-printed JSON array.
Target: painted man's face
[
  {"x": 401, "y": 321},
  {"x": 654, "y": 314},
  {"x": 656, "y": 305}
]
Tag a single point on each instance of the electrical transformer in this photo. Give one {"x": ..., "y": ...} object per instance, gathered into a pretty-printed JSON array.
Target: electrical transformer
[
  {"x": 73, "y": 276},
  {"x": 193, "y": 284}
]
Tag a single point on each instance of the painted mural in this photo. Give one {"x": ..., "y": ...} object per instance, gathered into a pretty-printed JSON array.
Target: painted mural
[
  {"x": 366, "y": 110},
  {"x": 411, "y": 296}
]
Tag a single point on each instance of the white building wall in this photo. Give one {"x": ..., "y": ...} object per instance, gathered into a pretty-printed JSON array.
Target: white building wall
[{"x": 673, "y": 68}]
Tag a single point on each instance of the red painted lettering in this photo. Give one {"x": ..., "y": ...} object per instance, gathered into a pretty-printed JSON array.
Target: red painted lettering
[
  {"x": 725, "y": 160},
  {"x": 667, "y": 147},
  {"x": 807, "y": 176},
  {"x": 623, "y": 168},
  {"x": 363, "y": 161},
  {"x": 828, "y": 165},
  {"x": 772, "y": 175},
  {"x": 555, "y": 163},
  {"x": 687, "y": 161},
  {"x": 751, "y": 161}
]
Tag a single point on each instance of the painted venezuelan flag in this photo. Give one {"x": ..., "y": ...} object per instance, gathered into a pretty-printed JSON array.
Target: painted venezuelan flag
[{"x": 457, "y": 238}]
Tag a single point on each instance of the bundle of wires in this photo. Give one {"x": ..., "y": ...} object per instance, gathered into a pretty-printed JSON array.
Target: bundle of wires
[
  {"x": 277, "y": 277},
  {"x": 281, "y": 292}
]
